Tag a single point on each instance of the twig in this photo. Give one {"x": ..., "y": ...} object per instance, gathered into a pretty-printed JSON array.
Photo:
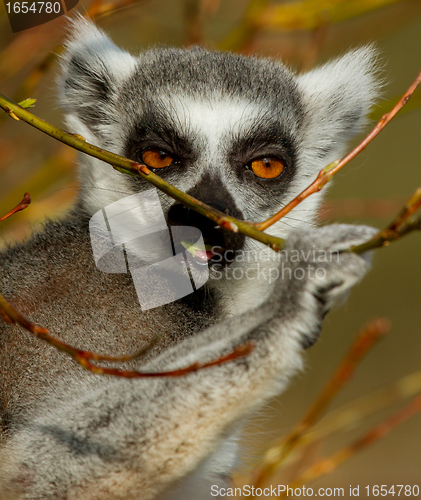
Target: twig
[
  {"x": 384, "y": 238},
  {"x": 352, "y": 413},
  {"x": 329, "y": 464},
  {"x": 328, "y": 172},
  {"x": 410, "y": 207},
  {"x": 130, "y": 167},
  {"x": 364, "y": 341},
  {"x": 399, "y": 227},
  {"x": 20, "y": 206},
  {"x": 387, "y": 104},
  {"x": 83, "y": 357}
]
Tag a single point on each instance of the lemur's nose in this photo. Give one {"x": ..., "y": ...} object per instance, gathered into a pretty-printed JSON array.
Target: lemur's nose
[{"x": 214, "y": 194}]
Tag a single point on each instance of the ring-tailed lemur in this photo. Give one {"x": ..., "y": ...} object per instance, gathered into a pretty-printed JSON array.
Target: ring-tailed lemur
[{"x": 242, "y": 134}]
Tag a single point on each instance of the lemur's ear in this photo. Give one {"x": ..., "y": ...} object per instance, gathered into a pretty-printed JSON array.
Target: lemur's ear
[
  {"x": 337, "y": 98},
  {"x": 92, "y": 70}
]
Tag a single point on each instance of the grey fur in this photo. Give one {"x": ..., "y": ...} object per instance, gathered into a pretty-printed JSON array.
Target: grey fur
[{"x": 66, "y": 433}]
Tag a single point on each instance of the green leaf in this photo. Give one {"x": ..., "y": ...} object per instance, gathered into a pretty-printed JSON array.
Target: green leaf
[{"x": 27, "y": 103}]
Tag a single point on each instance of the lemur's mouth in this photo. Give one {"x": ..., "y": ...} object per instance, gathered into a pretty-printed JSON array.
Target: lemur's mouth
[
  {"x": 220, "y": 246},
  {"x": 200, "y": 254},
  {"x": 211, "y": 251},
  {"x": 197, "y": 252}
]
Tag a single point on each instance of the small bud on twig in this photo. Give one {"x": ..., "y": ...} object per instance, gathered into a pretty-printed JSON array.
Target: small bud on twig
[{"x": 20, "y": 206}]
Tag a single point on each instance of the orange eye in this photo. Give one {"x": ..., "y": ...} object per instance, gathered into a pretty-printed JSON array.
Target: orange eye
[
  {"x": 267, "y": 168},
  {"x": 156, "y": 158}
]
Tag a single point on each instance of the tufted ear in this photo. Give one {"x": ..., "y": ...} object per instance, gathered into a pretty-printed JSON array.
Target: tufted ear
[
  {"x": 93, "y": 68},
  {"x": 337, "y": 98}
]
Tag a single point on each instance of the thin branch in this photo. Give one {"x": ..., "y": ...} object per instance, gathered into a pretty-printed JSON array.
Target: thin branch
[
  {"x": 327, "y": 465},
  {"x": 328, "y": 172},
  {"x": 13, "y": 316},
  {"x": 399, "y": 227},
  {"x": 364, "y": 341},
  {"x": 410, "y": 207},
  {"x": 130, "y": 167},
  {"x": 20, "y": 206},
  {"x": 83, "y": 357},
  {"x": 352, "y": 414},
  {"x": 387, "y": 104},
  {"x": 384, "y": 238}
]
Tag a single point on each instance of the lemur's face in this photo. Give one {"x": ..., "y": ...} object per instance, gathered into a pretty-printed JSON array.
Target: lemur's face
[
  {"x": 227, "y": 139},
  {"x": 243, "y": 135},
  {"x": 228, "y": 152}
]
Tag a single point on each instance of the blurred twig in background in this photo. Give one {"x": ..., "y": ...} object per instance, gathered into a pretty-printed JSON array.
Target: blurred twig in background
[
  {"x": 362, "y": 344},
  {"x": 328, "y": 465}
]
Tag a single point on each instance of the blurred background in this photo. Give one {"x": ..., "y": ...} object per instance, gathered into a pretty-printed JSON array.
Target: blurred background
[{"x": 370, "y": 190}]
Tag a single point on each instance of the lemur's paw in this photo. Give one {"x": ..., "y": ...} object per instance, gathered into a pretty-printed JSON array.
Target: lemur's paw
[{"x": 319, "y": 274}]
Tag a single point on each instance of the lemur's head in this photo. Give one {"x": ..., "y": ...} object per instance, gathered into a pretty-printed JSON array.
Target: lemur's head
[{"x": 244, "y": 135}]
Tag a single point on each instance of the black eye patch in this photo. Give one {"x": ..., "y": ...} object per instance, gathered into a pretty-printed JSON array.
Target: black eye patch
[
  {"x": 155, "y": 130},
  {"x": 265, "y": 139}
]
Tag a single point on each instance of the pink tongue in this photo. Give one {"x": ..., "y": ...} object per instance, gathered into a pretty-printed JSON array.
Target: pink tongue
[{"x": 204, "y": 255}]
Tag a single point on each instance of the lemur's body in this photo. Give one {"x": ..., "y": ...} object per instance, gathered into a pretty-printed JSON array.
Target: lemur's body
[{"x": 67, "y": 433}]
